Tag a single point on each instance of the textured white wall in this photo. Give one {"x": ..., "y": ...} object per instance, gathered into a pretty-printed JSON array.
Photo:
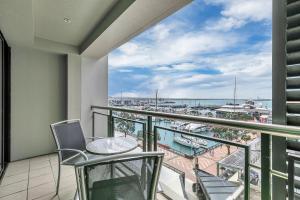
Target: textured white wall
[
  {"x": 94, "y": 91},
  {"x": 74, "y": 86},
  {"x": 38, "y": 98}
]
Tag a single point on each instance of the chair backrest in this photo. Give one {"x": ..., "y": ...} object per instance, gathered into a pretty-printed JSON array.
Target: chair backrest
[
  {"x": 125, "y": 176},
  {"x": 68, "y": 135}
]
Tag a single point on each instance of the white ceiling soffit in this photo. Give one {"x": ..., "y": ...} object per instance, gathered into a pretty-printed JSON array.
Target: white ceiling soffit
[
  {"x": 95, "y": 28},
  {"x": 139, "y": 16},
  {"x": 44, "y": 24},
  {"x": 16, "y": 21},
  {"x": 69, "y": 21}
]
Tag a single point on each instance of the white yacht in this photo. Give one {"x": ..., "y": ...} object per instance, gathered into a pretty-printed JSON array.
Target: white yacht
[
  {"x": 178, "y": 125},
  {"x": 186, "y": 142},
  {"x": 195, "y": 128},
  {"x": 196, "y": 140}
]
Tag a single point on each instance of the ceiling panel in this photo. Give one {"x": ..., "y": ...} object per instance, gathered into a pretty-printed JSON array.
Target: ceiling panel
[
  {"x": 16, "y": 21},
  {"x": 84, "y": 16}
]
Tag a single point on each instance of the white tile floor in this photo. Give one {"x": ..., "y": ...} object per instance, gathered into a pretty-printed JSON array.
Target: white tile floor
[{"x": 36, "y": 178}]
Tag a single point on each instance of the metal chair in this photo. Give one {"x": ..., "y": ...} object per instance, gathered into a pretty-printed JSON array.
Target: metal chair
[
  {"x": 127, "y": 176},
  {"x": 71, "y": 143}
]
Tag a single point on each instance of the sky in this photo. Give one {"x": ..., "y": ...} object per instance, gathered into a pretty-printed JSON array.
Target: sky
[{"x": 197, "y": 52}]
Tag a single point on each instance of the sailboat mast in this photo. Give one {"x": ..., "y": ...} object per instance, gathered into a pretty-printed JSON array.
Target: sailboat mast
[
  {"x": 121, "y": 96},
  {"x": 234, "y": 97},
  {"x": 156, "y": 96}
]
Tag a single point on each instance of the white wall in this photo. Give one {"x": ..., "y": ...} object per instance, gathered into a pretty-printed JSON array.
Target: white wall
[
  {"x": 47, "y": 88},
  {"x": 38, "y": 98},
  {"x": 74, "y": 86},
  {"x": 94, "y": 91}
]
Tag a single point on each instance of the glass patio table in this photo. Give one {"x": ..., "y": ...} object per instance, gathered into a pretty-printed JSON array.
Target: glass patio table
[{"x": 111, "y": 145}]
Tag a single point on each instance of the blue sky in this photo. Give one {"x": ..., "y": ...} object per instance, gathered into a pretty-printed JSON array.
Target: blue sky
[{"x": 197, "y": 52}]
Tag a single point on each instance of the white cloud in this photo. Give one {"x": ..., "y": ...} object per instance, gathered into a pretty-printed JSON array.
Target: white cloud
[
  {"x": 252, "y": 69},
  {"x": 178, "y": 67},
  {"x": 175, "y": 49},
  {"x": 185, "y": 67},
  {"x": 127, "y": 94},
  {"x": 225, "y": 24},
  {"x": 174, "y": 54},
  {"x": 129, "y": 48},
  {"x": 237, "y": 13},
  {"x": 163, "y": 68},
  {"x": 125, "y": 70}
]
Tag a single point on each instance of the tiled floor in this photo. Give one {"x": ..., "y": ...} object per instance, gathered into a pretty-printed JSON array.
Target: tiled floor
[{"x": 36, "y": 179}]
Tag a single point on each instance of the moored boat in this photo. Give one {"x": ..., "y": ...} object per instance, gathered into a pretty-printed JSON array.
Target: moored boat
[
  {"x": 196, "y": 140},
  {"x": 186, "y": 142}
]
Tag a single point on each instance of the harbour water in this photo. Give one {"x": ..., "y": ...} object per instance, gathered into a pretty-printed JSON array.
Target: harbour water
[
  {"x": 265, "y": 103},
  {"x": 166, "y": 138}
]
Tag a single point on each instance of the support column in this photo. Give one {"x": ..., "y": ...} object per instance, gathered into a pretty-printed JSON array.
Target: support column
[
  {"x": 279, "y": 95},
  {"x": 94, "y": 91}
]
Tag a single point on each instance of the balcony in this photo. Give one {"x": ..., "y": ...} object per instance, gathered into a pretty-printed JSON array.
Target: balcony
[
  {"x": 243, "y": 173},
  {"x": 36, "y": 178},
  {"x": 54, "y": 66},
  {"x": 214, "y": 173}
]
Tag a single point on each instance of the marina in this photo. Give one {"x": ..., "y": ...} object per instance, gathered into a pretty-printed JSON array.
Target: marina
[{"x": 188, "y": 146}]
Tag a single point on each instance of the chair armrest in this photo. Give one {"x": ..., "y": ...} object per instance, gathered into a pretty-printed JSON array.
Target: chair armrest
[{"x": 75, "y": 150}]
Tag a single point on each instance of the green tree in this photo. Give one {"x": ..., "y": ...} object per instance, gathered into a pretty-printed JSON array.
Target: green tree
[
  {"x": 124, "y": 126},
  {"x": 226, "y": 134},
  {"x": 246, "y": 138}
]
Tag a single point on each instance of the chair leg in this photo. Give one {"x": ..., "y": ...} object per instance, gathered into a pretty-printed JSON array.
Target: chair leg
[
  {"x": 58, "y": 179},
  {"x": 76, "y": 196}
]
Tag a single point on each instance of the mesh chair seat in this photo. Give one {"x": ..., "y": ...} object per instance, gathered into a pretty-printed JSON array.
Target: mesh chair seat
[
  {"x": 116, "y": 177},
  {"x": 70, "y": 141},
  {"x": 119, "y": 188}
]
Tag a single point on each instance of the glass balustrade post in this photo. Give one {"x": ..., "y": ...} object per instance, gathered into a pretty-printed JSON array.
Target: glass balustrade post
[
  {"x": 247, "y": 174},
  {"x": 155, "y": 138},
  {"x": 109, "y": 124},
  {"x": 112, "y": 126},
  {"x": 149, "y": 132},
  {"x": 265, "y": 167},
  {"x": 144, "y": 138},
  {"x": 93, "y": 124}
]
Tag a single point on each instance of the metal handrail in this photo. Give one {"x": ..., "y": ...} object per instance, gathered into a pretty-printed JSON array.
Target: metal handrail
[
  {"x": 266, "y": 131},
  {"x": 270, "y": 129},
  {"x": 203, "y": 137},
  {"x": 245, "y": 147},
  {"x": 129, "y": 120}
]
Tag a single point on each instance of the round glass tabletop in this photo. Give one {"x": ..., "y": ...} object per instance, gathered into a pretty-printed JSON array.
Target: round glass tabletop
[{"x": 111, "y": 145}]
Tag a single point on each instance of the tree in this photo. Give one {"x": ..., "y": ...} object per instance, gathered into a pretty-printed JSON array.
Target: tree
[
  {"x": 246, "y": 138},
  {"x": 226, "y": 134},
  {"x": 124, "y": 126}
]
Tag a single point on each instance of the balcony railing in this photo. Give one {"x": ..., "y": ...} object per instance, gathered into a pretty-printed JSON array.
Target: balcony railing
[{"x": 150, "y": 138}]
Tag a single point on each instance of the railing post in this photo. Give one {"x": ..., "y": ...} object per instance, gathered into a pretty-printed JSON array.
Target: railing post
[
  {"x": 247, "y": 174},
  {"x": 144, "y": 138},
  {"x": 112, "y": 126},
  {"x": 93, "y": 124},
  {"x": 109, "y": 124},
  {"x": 265, "y": 167},
  {"x": 291, "y": 178},
  {"x": 155, "y": 138},
  {"x": 149, "y": 132}
]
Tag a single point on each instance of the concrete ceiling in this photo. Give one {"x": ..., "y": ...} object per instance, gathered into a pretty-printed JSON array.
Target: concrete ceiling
[
  {"x": 84, "y": 15},
  {"x": 95, "y": 27}
]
